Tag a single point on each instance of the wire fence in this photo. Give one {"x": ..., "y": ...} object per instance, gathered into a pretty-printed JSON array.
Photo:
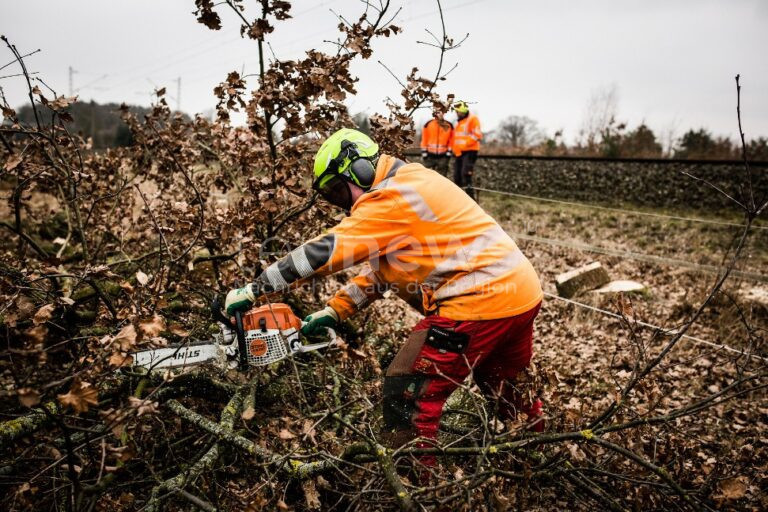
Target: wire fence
[
  {"x": 620, "y": 210},
  {"x": 638, "y": 256},
  {"x": 483, "y": 155},
  {"x": 667, "y": 332}
]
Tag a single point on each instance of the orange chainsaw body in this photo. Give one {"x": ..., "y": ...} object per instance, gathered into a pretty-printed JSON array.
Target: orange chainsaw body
[
  {"x": 271, "y": 316},
  {"x": 267, "y": 328}
]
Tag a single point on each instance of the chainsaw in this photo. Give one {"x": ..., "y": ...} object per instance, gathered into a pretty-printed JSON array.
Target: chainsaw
[{"x": 258, "y": 337}]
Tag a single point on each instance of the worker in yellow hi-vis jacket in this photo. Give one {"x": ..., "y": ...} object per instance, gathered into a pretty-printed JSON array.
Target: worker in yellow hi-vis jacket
[{"x": 466, "y": 144}]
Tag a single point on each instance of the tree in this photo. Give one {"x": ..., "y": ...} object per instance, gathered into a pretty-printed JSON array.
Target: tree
[
  {"x": 757, "y": 149},
  {"x": 700, "y": 144},
  {"x": 640, "y": 142},
  {"x": 599, "y": 116},
  {"x": 99, "y": 122},
  {"x": 519, "y": 132}
]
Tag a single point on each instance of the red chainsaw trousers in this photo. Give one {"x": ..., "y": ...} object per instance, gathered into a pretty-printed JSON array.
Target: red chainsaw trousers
[{"x": 422, "y": 376}]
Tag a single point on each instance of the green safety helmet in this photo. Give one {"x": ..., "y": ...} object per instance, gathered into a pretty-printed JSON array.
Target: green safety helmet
[
  {"x": 461, "y": 107},
  {"x": 347, "y": 156}
]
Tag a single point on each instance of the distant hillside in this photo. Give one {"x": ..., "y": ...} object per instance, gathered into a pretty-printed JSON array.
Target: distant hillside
[{"x": 100, "y": 122}]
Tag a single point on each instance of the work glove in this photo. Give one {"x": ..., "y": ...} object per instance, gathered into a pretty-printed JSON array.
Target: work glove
[
  {"x": 318, "y": 321},
  {"x": 449, "y": 153},
  {"x": 241, "y": 299},
  {"x": 423, "y": 154}
]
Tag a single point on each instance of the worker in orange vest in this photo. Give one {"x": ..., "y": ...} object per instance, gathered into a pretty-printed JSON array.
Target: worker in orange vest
[
  {"x": 420, "y": 237},
  {"x": 466, "y": 144},
  {"x": 436, "y": 142}
]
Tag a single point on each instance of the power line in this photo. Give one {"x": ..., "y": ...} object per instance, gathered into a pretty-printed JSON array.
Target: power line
[
  {"x": 164, "y": 64},
  {"x": 668, "y": 332},
  {"x": 169, "y": 61},
  {"x": 621, "y": 210},
  {"x": 648, "y": 258}
]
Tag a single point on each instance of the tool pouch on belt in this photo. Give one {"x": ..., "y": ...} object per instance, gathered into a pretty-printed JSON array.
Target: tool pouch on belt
[{"x": 447, "y": 341}]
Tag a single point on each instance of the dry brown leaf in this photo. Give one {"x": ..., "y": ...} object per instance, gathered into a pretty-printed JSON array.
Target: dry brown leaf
[
  {"x": 126, "y": 338},
  {"x": 323, "y": 483},
  {"x": 152, "y": 327},
  {"x": 115, "y": 419},
  {"x": 733, "y": 488},
  {"x": 28, "y": 397},
  {"x": 13, "y": 162},
  {"x": 575, "y": 451},
  {"x": 143, "y": 406},
  {"x": 80, "y": 397},
  {"x": 142, "y": 278},
  {"x": 286, "y": 434},
  {"x": 119, "y": 359},
  {"x": 123, "y": 453},
  {"x": 178, "y": 330},
  {"x": 43, "y": 314},
  {"x": 62, "y": 102},
  {"x": 36, "y": 334},
  {"x": 311, "y": 495},
  {"x": 308, "y": 430},
  {"x": 25, "y": 307}
]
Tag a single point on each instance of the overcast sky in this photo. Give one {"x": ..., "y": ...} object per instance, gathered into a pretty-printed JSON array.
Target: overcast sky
[{"x": 672, "y": 62}]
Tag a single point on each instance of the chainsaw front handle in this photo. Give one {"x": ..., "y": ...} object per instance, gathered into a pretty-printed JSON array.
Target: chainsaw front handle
[
  {"x": 331, "y": 333},
  {"x": 329, "y": 330}
]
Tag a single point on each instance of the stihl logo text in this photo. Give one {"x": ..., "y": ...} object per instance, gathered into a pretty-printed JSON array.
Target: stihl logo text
[{"x": 187, "y": 355}]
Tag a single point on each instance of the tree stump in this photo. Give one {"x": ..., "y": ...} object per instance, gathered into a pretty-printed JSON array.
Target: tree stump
[{"x": 588, "y": 277}]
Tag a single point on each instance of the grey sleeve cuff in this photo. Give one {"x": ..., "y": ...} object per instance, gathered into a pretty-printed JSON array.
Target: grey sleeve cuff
[{"x": 298, "y": 264}]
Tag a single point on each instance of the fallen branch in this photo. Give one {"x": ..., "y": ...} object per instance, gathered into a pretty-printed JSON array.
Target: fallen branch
[
  {"x": 384, "y": 458},
  {"x": 174, "y": 485},
  {"x": 25, "y": 425}
]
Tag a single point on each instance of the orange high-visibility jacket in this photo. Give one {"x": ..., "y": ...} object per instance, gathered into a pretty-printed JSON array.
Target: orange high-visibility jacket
[
  {"x": 437, "y": 136},
  {"x": 424, "y": 239},
  {"x": 467, "y": 135}
]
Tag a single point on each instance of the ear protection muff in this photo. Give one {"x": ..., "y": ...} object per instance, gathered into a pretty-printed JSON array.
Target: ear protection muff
[{"x": 361, "y": 170}]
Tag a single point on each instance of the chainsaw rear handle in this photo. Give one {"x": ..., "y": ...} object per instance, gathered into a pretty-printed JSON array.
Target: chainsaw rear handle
[
  {"x": 242, "y": 347},
  {"x": 218, "y": 315}
]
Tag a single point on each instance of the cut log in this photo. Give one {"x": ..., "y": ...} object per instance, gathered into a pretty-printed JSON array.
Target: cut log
[
  {"x": 622, "y": 287},
  {"x": 588, "y": 277}
]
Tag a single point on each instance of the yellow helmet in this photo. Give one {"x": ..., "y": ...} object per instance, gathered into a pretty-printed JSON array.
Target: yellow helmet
[
  {"x": 461, "y": 107},
  {"x": 347, "y": 156}
]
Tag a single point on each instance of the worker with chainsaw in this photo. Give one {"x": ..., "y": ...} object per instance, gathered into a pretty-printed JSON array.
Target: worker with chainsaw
[
  {"x": 421, "y": 237},
  {"x": 466, "y": 144},
  {"x": 436, "y": 142}
]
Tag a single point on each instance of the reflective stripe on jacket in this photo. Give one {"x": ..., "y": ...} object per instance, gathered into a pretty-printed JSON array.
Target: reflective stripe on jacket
[
  {"x": 467, "y": 135},
  {"x": 427, "y": 241},
  {"x": 437, "y": 137}
]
